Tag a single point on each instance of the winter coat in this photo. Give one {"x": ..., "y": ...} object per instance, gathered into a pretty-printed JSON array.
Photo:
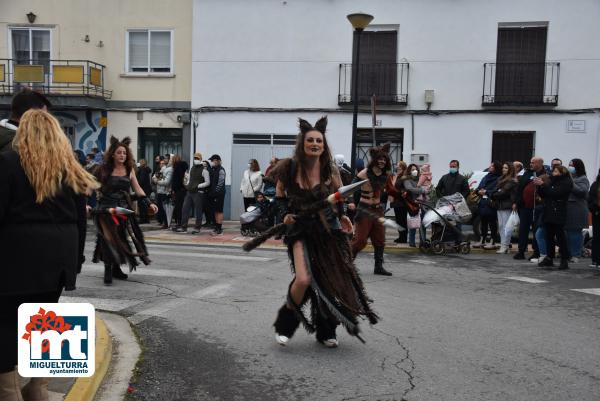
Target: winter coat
[
  {"x": 411, "y": 187},
  {"x": 594, "y": 199},
  {"x": 179, "y": 170},
  {"x": 523, "y": 180},
  {"x": 505, "y": 194},
  {"x": 555, "y": 195},
  {"x": 577, "y": 208},
  {"x": 488, "y": 183},
  {"x": 40, "y": 242},
  {"x": 163, "y": 180},
  {"x": 251, "y": 182},
  {"x": 143, "y": 177},
  {"x": 450, "y": 184},
  {"x": 7, "y": 134}
]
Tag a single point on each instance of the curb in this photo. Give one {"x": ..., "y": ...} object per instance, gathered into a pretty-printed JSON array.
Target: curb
[{"x": 85, "y": 388}]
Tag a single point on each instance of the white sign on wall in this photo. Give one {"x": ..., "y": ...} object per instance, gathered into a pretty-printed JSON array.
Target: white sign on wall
[{"x": 577, "y": 126}]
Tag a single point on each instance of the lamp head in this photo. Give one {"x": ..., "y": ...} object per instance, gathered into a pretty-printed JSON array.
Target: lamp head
[{"x": 359, "y": 20}]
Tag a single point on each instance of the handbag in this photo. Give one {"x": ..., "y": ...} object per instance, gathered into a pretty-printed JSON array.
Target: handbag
[{"x": 413, "y": 222}]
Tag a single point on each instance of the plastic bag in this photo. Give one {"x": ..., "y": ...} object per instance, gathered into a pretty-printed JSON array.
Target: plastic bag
[
  {"x": 512, "y": 223},
  {"x": 413, "y": 221}
]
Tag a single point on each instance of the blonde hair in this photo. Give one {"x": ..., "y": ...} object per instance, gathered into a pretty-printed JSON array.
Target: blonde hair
[{"x": 47, "y": 157}]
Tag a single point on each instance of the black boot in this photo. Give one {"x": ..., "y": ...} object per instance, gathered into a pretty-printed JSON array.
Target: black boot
[
  {"x": 564, "y": 264},
  {"x": 326, "y": 331},
  {"x": 107, "y": 274},
  {"x": 285, "y": 325},
  {"x": 379, "y": 262},
  {"x": 118, "y": 273}
]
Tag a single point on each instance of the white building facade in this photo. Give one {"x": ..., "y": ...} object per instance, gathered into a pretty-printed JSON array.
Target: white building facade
[{"x": 510, "y": 79}]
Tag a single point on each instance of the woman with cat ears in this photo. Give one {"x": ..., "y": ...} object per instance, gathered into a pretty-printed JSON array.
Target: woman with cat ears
[
  {"x": 326, "y": 289},
  {"x": 115, "y": 228}
]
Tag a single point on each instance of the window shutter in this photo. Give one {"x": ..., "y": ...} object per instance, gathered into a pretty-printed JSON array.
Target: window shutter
[
  {"x": 160, "y": 51},
  {"x": 138, "y": 51}
]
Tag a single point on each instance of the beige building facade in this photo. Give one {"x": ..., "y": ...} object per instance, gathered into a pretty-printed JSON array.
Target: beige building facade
[{"x": 109, "y": 67}]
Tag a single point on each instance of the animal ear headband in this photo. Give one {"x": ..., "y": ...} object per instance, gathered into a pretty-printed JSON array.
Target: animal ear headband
[{"x": 320, "y": 125}]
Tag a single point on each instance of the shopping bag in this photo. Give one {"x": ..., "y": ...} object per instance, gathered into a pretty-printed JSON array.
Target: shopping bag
[
  {"x": 512, "y": 224},
  {"x": 413, "y": 221}
]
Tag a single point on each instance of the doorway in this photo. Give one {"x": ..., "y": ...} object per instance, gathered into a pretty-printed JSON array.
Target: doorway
[
  {"x": 513, "y": 146},
  {"x": 159, "y": 141}
]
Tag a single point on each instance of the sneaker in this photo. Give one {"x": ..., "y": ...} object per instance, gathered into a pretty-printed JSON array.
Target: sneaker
[
  {"x": 196, "y": 231},
  {"x": 503, "y": 249},
  {"x": 216, "y": 233},
  {"x": 573, "y": 260},
  {"x": 546, "y": 262},
  {"x": 537, "y": 259},
  {"x": 331, "y": 343},
  {"x": 281, "y": 340},
  {"x": 534, "y": 256},
  {"x": 181, "y": 230},
  {"x": 519, "y": 256},
  {"x": 596, "y": 265}
]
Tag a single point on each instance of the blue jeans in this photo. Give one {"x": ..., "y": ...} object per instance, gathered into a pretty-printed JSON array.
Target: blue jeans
[
  {"x": 575, "y": 242},
  {"x": 540, "y": 237}
]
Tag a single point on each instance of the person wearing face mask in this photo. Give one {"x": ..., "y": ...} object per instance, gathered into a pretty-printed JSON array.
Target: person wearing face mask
[
  {"x": 198, "y": 183},
  {"x": 577, "y": 211},
  {"x": 410, "y": 182},
  {"x": 252, "y": 182},
  {"x": 452, "y": 182},
  {"x": 399, "y": 204},
  {"x": 555, "y": 192},
  {"x": 486, "y": 208}
]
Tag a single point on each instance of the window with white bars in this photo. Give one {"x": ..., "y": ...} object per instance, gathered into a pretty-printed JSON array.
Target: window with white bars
[{"x": 149, "y": 51}]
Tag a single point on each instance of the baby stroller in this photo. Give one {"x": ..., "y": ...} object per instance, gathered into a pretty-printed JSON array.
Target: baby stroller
[
  {"x": 257, "y": 217},
  {"x": 448, "y": 211}
]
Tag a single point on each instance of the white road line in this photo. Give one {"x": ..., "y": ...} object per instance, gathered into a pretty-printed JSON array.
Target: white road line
[
  {"x": 162, "y": 309},
  {"x": 108, "y": 304},
  {"x": 593, "y": 291},
  {"x": 526, "y": 279},
  {"x": 151, "y": 271},
  {"x": 212, "y": 256},
  {"x": 423, "y": 261}
]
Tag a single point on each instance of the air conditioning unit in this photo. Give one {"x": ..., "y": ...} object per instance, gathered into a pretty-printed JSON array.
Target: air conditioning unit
[{"x": 419, "y": 158}]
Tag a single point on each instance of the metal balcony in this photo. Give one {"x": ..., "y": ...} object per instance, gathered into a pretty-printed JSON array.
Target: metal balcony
[
  {"x": 520, "y": 84},
  {"x": 387, "y": 81},
  {"x": 54, "y": 77}
]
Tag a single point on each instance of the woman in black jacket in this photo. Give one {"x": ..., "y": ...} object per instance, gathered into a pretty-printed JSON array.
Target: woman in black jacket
[
  {"x": 505, "y": 198},
  {"x": 178, "y": 190},
  {"x": 555, "y": 193},
  {"x": 594, "y": 207},
  {"x": 42, "y": 188},
  {"x": 143, "y": 177}
]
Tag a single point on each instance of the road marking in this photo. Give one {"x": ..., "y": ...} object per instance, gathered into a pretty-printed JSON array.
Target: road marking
[
  {"x": 151, "y": 271},
  {"x": 526, "y": 279},
  {"x": 423, "y": 261},
  {"x": 212, "y": 256},
  {"x": 108, "y": 304},
  {"x": 593, "y": 291},
  {"x": 163, "y": 308}
]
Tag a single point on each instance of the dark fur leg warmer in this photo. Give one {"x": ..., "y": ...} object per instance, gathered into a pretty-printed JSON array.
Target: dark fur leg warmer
[
  {"x": 325, "y": 328},
  {"x": 286, "y": 323}
]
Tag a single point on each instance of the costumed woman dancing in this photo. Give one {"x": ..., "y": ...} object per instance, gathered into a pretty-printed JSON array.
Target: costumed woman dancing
[
  {"x": 117, "y": 178},
  {"x": 326, "y": 289}
]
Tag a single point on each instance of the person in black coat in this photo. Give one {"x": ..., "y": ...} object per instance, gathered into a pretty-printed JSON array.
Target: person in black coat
[
  {"x": 143, "y": 176},
  {"x": 555, "y": 193},
  {"x": 486, "y": 209},
  {"x": 178, "y": 190},
  {"x": 42, "y": 215},
  {"x": 594, "y": 208}
]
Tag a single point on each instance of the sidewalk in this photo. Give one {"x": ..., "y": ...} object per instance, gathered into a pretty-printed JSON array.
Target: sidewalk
[{"x": 233, "y": 238}]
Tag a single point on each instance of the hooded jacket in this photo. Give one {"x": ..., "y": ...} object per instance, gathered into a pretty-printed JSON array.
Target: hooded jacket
[{"x": 7, "y": 133}]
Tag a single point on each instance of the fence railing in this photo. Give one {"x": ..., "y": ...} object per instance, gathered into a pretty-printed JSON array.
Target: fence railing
[
  {"x": 388, "y": 81},
  {"x": 520, "y": 83},
  {"x": 54, "y": 77}
]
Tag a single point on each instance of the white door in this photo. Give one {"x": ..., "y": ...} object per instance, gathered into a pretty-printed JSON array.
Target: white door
[{"x": 253, "y": 146}]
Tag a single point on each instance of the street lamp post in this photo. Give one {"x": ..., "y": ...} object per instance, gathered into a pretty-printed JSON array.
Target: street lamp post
[{"x": 359, "y": 22}]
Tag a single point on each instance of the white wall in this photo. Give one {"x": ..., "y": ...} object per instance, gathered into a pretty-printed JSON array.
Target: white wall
[
  {"x": 466, "y": 137},
  {"x": 267, "y": 53}
]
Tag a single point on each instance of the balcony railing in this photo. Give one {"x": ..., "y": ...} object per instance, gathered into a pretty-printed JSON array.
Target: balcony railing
[
  {"x": 520, "y": 84},
  {"x": 387, "y": 81},
  {"x": 54, "y": 77}
]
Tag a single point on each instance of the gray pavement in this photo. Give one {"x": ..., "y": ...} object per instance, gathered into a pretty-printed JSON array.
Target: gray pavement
[{"x": 475, "y": 327}]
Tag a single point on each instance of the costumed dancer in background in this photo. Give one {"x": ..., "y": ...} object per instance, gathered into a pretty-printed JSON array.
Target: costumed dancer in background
[
  {"x": 117, "y": 178},
  {"x": 326, "y": 289},
  {"x": 370, "y": 207}
]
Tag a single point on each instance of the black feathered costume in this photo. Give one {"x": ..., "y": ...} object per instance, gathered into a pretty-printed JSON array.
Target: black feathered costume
[
  {"x": 336, "y": 294},
  {"x": 117, "y": 232}
]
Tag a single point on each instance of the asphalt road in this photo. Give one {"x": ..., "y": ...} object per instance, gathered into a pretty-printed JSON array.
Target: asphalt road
[{"x": 473, "y": 327}]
